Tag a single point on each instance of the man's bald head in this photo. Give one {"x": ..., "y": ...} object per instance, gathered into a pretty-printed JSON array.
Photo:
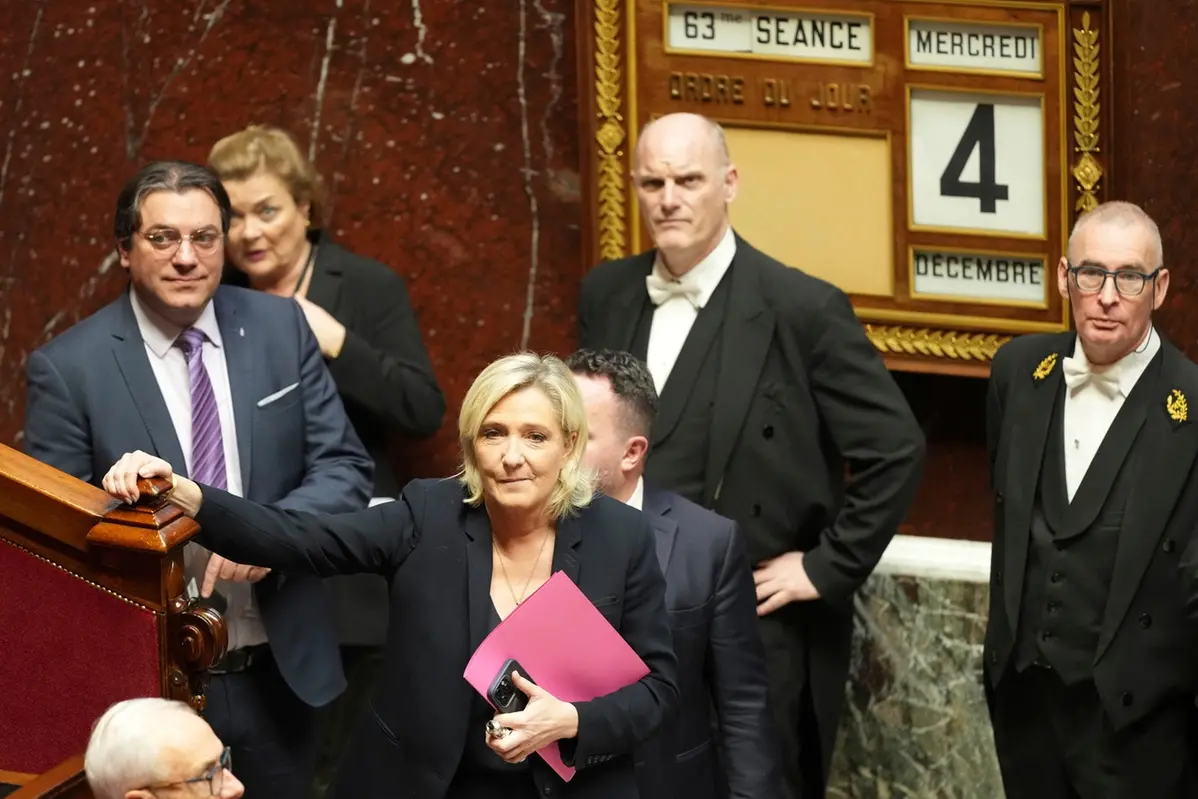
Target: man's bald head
[
  {"x": 684, "y": 180},
  {"x": 688, "y": 127},
  {"x": 1120, "y": 214}
]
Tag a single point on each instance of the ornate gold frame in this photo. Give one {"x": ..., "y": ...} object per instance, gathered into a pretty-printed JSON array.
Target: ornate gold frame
[
  {"x": 612, "y": 133},
  {"x": 1087, "y": 171},
  {"x": 904, "y": 340}
]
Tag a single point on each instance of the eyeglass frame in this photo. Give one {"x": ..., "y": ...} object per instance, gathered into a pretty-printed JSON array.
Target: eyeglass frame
[
  {"x": 169, "y": 251},
  {"x": 1113, "y": 275},
  {"x": 213, "y": 773}
]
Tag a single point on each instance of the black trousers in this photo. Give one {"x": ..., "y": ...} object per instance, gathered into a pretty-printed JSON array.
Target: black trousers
[
  {"x": 272, "y": 733},
  {"x": 802, "y": 759},
  {"x": 1056, "y": 742},
  {"x": 335, "y": 721}
]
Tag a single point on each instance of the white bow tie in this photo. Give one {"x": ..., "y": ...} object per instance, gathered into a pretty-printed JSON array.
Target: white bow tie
[
  {"x": 661, "y": 289},
  {"x": 1077, "y": 374}
]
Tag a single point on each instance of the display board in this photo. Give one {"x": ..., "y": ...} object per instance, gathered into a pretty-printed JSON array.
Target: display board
[{"x": 929, "y": 158}]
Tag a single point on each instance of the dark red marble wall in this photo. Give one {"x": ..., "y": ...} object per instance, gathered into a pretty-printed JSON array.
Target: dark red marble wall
[
  {"x": 1156, "y": 141},
  {"x": 447, "y": 132}
]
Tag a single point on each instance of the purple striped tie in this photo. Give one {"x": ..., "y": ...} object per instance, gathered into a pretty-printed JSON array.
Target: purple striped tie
[{"x": 207, "y": 444}]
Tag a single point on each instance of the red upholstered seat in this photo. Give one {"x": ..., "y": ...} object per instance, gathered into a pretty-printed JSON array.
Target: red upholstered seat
[{"x": 72, "y": 648}]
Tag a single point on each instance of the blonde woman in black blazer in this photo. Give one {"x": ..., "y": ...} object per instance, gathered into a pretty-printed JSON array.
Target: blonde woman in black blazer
[{"x": 459, "y": 556}]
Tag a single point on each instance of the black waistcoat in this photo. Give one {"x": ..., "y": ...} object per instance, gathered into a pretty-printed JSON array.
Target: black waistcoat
[
  {"x": 1071, "y": 555},
  {"x": 682, "y": 431}
]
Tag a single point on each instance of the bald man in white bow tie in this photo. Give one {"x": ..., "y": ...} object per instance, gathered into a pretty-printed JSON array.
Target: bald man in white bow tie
[
  {"x": 768, "y": 389},
  {"x": 1091, "y": 658}
]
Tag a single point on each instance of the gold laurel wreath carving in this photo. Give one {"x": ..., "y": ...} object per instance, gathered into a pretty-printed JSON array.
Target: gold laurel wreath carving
[
  {"x": 611, "y": 133},
  {"x": 1087, "y": 170},
  {"x": 935, "y": 343}
]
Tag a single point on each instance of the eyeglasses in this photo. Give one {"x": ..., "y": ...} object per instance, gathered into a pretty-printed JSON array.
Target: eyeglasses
[
  {"x": 168, "y": 240},
  {"x": 214, "y": 776},
  {"x": 1128, "y": 282}
]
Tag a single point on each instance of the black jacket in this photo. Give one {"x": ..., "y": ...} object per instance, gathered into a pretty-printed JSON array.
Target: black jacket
[
  {"x": 1148, "y": 646},
  {"x": 802, "y": 394}
]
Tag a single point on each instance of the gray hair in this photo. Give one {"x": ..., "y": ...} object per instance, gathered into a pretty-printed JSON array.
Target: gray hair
[
  {"x": 1120, "y": 214},
  {"x": 124, "y": 751},
  {"x": 174, "y": 176}
]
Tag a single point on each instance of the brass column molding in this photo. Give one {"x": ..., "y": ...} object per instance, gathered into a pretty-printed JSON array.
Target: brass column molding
[
  {"x": 1087, "y": 170},
  {"x": 612, "y": 133}
]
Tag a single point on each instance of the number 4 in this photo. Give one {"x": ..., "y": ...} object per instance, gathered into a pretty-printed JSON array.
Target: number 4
[{"x": 979, "y": 134}]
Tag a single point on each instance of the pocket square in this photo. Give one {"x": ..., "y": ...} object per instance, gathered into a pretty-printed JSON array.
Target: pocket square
[{"x": 283, "y": 392}]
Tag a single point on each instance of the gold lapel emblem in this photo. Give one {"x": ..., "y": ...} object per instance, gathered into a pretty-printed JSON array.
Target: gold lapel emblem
[
  {"x": 1045, "y": 367},
  {"x": 1177, "y": 406}
]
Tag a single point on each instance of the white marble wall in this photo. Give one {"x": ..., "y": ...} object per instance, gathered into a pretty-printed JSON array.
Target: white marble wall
[{"x": 915, "y": 723}]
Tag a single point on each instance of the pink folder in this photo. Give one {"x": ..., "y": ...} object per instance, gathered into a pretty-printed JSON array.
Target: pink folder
[{"x": 566, "y": 645}]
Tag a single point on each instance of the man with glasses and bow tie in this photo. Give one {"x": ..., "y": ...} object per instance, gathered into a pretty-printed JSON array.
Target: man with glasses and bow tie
[
  {"x": 231, "y": 383},
  {"x": 768, "y": 390},
  {"x": 1091, "y": 656}
]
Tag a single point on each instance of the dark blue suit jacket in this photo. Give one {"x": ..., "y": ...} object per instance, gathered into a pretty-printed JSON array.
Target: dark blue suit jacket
[
  {"x": 93, "y": 397},
  {"x": 721, "y": 743}
]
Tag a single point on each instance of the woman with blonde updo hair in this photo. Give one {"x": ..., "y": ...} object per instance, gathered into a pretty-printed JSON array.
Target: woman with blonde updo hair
[
  {"x": 360, "y": 314},
  {"x": 358, "y": 308},
  {"x": 459, "y": 556}
]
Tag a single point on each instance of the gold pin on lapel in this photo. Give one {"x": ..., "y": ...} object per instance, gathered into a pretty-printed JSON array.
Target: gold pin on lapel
[
  {"x": 1045, "y": 367},
  {"x": 1177, "y": 406}
]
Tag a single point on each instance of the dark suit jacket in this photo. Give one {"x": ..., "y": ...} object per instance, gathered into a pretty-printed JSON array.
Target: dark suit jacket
[
  {"x": 387, "y": 383},
  {"x": 722, "y": 741},
  {"x": 1148, "y": 647},
  {"x": 93, "y": 397},
  {"x": 436, "y": 553},
  {"x": 801, "y": 394}
]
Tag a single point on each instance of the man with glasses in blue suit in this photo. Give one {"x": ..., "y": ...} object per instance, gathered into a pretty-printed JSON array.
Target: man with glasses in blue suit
[{"x": 230, "y": 384}]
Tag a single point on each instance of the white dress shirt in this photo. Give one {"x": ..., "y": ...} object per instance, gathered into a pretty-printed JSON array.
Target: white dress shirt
[
  {"x": 170, "y": 370},
  {"x": 674, "y": 318},
  {"x": 1090, "y": 411}
]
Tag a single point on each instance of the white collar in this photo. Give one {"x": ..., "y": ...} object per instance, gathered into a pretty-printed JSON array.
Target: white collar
[
  {"x": 637, "y": 500},
  {"x": 159, "y": 334},
  {"x": 706, "y": 274},
  {"x": 1126, "y": 370}
]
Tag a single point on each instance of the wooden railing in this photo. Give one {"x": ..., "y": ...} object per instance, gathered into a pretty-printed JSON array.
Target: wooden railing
[{"x": 93, "y": 610}]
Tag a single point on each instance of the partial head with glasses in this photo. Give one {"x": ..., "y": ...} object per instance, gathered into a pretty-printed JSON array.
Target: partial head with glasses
[
  {"x": 157, "y": 749},
  {"x": 1113, "y": 277},
  {"x": 170, "y": 226}
]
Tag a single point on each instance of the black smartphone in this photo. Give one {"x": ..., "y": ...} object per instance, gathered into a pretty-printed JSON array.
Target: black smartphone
[{"x": 504, "y": 694}]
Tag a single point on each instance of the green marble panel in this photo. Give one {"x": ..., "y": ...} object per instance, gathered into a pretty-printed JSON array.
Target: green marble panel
[{"x": 915, "y": 724}]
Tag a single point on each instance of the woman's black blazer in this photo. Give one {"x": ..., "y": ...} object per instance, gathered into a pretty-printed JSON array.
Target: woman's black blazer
[{"x": 436, "y": 553}]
